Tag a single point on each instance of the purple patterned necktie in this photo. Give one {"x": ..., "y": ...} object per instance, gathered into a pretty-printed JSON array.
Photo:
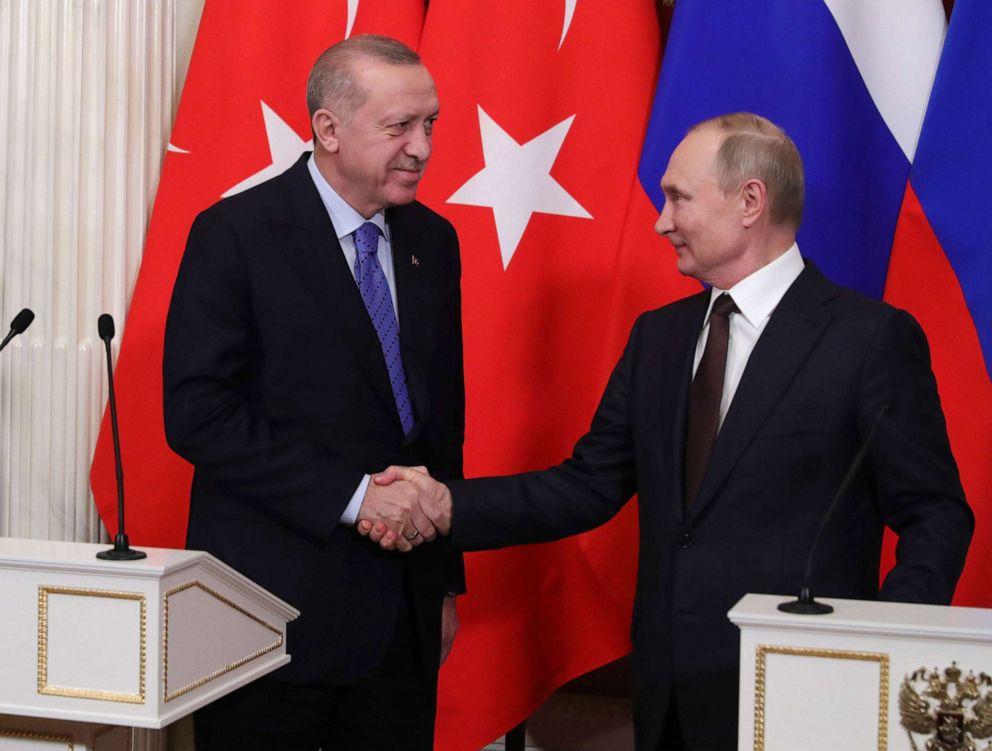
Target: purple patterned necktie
[{"x": 375, "y": 293}]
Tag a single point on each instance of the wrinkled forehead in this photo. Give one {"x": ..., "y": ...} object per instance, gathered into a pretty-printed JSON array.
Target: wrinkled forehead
[{"x": 378, "y": 77}]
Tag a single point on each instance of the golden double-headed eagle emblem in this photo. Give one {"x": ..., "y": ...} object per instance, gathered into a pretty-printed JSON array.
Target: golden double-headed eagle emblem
[{"x": 952, "y": 712}]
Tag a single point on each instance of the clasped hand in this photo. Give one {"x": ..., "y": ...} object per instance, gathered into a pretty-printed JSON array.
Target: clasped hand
[{"x": 404, "y": 507}]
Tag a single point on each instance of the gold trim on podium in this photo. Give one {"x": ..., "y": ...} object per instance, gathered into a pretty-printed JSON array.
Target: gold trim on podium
[
  {"x": 29, "y": 735},
  {"x": 836, "y": 654},
  {"x": 85, "y": 693},
  {"x": 170, "y": 695}
]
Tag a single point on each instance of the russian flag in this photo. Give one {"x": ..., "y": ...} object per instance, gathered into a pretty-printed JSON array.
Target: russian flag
[
  {"x": 941, "y": 266},
  {"x": 851, "y": 81},
  {"x": 848, "y": 81}
]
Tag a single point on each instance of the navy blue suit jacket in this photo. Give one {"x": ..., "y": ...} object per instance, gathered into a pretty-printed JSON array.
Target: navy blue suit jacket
[
  {"x": 277, "y": 392},
  {"x": 826, "y": 362}
]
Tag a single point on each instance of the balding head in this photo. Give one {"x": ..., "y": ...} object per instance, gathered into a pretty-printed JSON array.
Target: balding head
[
  {"x": 333, "y": 83},
  {"x": 755, "y": 147}
]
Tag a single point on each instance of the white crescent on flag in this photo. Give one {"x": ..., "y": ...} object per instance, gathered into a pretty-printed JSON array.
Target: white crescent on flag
[
  {"x": 569, "y": 13},
  {"x": 352, "y": 12}
]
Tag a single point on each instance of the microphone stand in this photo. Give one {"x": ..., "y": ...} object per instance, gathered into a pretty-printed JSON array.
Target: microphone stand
[
  {"x": 121, "y": 551},
  {"x": 805, "y": 604}
]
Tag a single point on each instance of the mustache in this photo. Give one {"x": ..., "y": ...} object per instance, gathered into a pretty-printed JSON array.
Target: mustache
[{"x": 412, "y": 164}]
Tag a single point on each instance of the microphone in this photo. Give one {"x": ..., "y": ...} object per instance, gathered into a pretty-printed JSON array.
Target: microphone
[
  {"x": 121, "y": 551},
  {"x": 21, "y": 321},
  {"x": 805, "y": 604}
]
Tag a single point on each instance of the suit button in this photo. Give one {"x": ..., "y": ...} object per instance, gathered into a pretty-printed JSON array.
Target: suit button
[{"x": 685, "y": 542}]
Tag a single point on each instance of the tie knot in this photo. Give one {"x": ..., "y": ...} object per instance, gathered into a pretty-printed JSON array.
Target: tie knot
[
  {"x": 367, "y": 238},
  {"x": 724, "y": 306}
]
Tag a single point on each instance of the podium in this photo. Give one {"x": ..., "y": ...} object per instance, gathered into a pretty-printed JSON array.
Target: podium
[
  {"x": 89, "y": 647},
  {"x": 869, "y": 676}
]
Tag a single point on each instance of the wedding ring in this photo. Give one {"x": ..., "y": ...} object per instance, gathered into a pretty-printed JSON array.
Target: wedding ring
[{"x": 414, "y": 536}]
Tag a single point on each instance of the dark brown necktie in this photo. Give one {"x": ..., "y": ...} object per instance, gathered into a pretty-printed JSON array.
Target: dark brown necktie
[{"x": 705, "y": 395}]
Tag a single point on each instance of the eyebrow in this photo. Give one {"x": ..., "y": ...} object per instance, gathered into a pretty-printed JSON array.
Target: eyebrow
[{"x": 407, "y": 115}]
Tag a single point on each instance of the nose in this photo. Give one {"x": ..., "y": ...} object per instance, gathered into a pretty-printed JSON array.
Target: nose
[
  {"x": 664, "y": 224},
  {"x": 419, "y": 145}
]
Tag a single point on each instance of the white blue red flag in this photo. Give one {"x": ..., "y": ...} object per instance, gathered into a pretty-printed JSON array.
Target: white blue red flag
[
  {"x": 941, "y": 264},
  {"x": 847, "y": 80}
]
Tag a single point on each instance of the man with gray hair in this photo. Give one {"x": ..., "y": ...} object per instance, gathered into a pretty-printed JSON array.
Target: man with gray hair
[
  {"x": 314, "y": 337},
  {"x": 734, "y": 414}
]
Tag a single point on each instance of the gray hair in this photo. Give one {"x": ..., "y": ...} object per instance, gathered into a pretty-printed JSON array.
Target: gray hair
[
  {"x": 755, "y": 147},
  {"x": 332, "y": 81}
]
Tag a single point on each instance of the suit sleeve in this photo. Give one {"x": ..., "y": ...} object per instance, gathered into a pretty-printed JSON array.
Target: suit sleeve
[
  {"x": 212, "y": 395},
  {"x": 915, "y": 475},
  {"x": 584, "y": 491}
]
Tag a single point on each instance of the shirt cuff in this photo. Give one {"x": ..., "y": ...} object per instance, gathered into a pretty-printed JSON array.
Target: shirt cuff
[{"x": 350, "y": 515}]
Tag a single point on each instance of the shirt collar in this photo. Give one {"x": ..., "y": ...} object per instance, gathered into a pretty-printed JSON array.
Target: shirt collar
[
  {"x": 344, "y": 218},
  {"x": 758, "y": 294}
]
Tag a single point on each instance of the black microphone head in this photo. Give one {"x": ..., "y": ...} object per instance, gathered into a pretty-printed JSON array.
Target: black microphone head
[
  {"x": 105, "y": 325},
  {"x": 22, "y": 320}
]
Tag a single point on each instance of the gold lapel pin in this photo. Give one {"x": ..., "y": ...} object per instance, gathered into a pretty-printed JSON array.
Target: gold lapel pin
[{"x": 414, "y": 261}]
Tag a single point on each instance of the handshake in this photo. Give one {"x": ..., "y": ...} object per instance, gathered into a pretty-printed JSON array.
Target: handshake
[{"x": 403, "y": 507}]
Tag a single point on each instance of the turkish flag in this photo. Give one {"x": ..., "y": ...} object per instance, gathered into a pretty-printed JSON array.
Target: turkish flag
[
  {"x": 242, "y": 119},
  {"x": 543, "y": 112}
]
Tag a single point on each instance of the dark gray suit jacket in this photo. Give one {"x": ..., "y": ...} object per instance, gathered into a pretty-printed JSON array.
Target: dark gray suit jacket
[
  {"x": 826, "y": 362},
  {"x": 277, "y": 392}
]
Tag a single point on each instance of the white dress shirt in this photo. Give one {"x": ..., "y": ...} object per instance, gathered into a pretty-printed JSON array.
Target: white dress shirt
[
  {"x": 346, "y": 220},
  {"x": 756, "y": 297}
]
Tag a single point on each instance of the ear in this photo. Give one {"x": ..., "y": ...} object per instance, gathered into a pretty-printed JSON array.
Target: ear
[
  {"x": 753, "y": 201},
  {"x": 326, "y": 126}
]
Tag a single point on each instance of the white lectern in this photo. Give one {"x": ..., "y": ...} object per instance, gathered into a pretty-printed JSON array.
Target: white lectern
[
  {"x": 87, "y": 645},
  {"x": 870, "y": 675}
]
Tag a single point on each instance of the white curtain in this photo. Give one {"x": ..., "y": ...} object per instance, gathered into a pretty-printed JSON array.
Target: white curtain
[{"x": 88, "y": 94}]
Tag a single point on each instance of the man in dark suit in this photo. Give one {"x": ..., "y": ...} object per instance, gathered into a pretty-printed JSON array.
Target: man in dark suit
[
  {"x": 314, "y": 337},
  {"x": 734, "y": 414}
]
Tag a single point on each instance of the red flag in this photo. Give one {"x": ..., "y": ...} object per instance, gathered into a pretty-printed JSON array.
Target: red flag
[
  {"x": 242, "y": 118},
  {"x": 543, "y": 111},
  {"x": 922, "y": 281}
]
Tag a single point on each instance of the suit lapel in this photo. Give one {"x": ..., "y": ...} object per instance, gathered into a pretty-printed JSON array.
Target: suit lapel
[
  {"x": 413, "y": 294},
  {"x": 679, "y": 362},
  {"x": 795, "y": 327},
  {"x": 311, "y": 247}
]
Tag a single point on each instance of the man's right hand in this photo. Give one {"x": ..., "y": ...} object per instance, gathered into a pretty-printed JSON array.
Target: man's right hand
[
  {"x": 434, "y": 501},
  {"x": 394, "y": 509}
]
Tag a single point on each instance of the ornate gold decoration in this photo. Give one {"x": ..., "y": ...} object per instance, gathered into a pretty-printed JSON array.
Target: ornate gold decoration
[
  {"x": 836, "y": 654},
  {"x": 28, "y": 735},
  {"x": 86, "y": 693},
  {"x": 953, "y": 712},
  {"x": 170, "y": 695}
]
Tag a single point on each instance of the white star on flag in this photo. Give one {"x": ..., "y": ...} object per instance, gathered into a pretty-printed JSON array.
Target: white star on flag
[
  {"x": 285, "y": 148},
  {"x": 516, "y": 181}
]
